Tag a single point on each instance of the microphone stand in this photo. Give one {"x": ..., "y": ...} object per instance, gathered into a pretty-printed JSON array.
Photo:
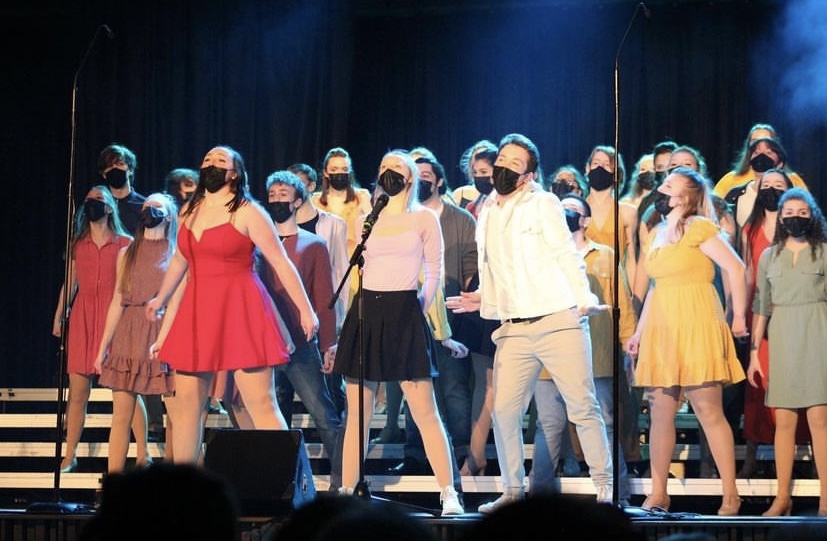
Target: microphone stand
[
  {"x": 356, "y": 258},
  {"x": 57, "y": 506},
  {"x": 617, "y": 372}
]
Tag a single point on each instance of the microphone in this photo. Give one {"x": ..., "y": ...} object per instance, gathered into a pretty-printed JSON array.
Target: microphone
[
  {"x": 380, "y": 203},
  {"x": 646, "y": 11},
  {"x": 109, "y": 33}
]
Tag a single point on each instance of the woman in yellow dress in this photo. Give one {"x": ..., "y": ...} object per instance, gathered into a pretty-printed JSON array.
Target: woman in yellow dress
[{"x": 682, "y": 342}]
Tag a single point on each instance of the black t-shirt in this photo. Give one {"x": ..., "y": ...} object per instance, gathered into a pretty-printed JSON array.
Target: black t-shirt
[
  {"x": 310, "y": 225},
  {"x": 129, "y": 209}
]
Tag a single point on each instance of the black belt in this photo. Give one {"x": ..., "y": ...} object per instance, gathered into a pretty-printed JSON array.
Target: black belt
[{"x": 525, "y": 319}]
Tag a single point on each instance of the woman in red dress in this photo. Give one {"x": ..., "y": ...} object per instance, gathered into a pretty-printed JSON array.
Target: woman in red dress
[{"x": 220, "y": 316}]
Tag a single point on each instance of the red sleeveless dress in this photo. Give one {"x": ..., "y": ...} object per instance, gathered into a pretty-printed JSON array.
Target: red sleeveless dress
[{"x": 226, "y": 319}]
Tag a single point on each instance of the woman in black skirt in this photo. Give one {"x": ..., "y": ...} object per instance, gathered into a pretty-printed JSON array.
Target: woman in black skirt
[{"x": 404, "y": 248}]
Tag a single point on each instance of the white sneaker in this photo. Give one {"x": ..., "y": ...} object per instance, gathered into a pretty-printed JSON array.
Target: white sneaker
[
  {"x": 505, "y": 499},
  {"x": 604, "y": 494},
  {"x": 450, "y": 502}
]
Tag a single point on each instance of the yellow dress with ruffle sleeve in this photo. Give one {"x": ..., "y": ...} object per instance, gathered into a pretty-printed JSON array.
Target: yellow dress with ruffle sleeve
[{"x": 686, "y": 340}]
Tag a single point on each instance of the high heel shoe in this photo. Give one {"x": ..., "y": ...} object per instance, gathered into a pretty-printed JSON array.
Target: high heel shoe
[
  {"x": 730, "y": 506},
  {"x": 69, "y": 467},
  {"x": 781, "y": 507},
  {"x": 389, "y": 435},
  {"x": 145, "y": 463},
  {"x": 657, "y": 505}
]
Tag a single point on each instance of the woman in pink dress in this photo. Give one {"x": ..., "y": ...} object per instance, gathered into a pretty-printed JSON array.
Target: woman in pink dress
[
  {"x": 220, "y": 316},
  {"x": 123, "y": 358}
]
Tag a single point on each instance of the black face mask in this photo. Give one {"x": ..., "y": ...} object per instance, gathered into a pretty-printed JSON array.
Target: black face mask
[
  {"x": 339, "y": 181},
  {"x": 600, "y": 179},
  {"x": 152, "y": 217},
  {"x": 505, "y": 180},
  {"x": 483, "y": 185},
  {"x": 392, "y": 182},
  {"x": 94, "y": 209},
  {"x": 116, "y": 178},
  {"x": 659, "y": 176},
  {"x": 426, "y": 189},
  {"x": 661, "y": 203},
  {"x": 646, "y": 181},
  {"x": 213, "y": 178},
  {"x": 797, "y": 226},
  {"x": 561, "y": 188},
  {"x": 573, "y": 220},
  {"x": 769, "y": 198},
  {"x": 280, "y": 211},
  {"x": 761, "y": 163}
]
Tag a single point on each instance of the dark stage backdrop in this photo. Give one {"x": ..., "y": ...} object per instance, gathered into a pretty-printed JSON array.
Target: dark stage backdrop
[{"x": 285, "y": 80}]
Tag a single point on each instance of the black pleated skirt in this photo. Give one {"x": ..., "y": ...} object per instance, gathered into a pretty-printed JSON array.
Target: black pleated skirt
[{"x": 398, "y": 344}]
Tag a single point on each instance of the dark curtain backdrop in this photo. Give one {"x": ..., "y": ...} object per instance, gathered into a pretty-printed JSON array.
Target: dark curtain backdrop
[{"x": 284, "y": 81}]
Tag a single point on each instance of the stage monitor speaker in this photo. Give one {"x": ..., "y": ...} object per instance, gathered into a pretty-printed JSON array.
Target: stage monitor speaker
[{"x": 268, "y": 469}]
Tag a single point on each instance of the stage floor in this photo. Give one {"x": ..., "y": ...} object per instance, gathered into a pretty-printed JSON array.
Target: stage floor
[{"x": 20, "y": 525}]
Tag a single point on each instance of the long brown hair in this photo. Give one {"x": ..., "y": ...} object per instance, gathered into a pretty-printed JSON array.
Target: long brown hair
[
  {"x": 337, "y": 152},
  {"x": 817, "y": 235},
  {"x": 113, "y": 219}
]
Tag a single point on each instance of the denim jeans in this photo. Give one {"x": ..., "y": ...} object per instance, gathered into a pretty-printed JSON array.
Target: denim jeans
[
  {"x": 336, "y": 386},
  {"x": 303, "y": 374},
  {"x": 552, "y": 428}
]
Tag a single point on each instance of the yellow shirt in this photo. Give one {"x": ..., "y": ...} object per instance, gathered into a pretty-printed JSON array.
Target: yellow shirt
[{"x": 731, "y": 180}]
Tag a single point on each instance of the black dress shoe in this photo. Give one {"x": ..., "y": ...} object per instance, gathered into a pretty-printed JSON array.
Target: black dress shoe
[
  {"x": 389, "y": 435},
  {"x": 410, "y": 466}
]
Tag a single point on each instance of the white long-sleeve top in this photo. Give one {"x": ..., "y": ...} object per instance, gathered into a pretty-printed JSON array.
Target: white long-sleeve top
[{"x": 529, "y": 265}]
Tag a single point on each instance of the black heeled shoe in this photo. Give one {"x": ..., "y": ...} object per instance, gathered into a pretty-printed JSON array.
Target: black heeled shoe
[{"x": 389, "y": 435}]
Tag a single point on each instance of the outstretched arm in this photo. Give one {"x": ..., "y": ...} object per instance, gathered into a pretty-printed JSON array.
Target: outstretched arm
[{"x": 721, "y": 252}]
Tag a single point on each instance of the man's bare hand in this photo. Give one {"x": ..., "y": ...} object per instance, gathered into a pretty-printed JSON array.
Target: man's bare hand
[{"x": 464, "y": 303}]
